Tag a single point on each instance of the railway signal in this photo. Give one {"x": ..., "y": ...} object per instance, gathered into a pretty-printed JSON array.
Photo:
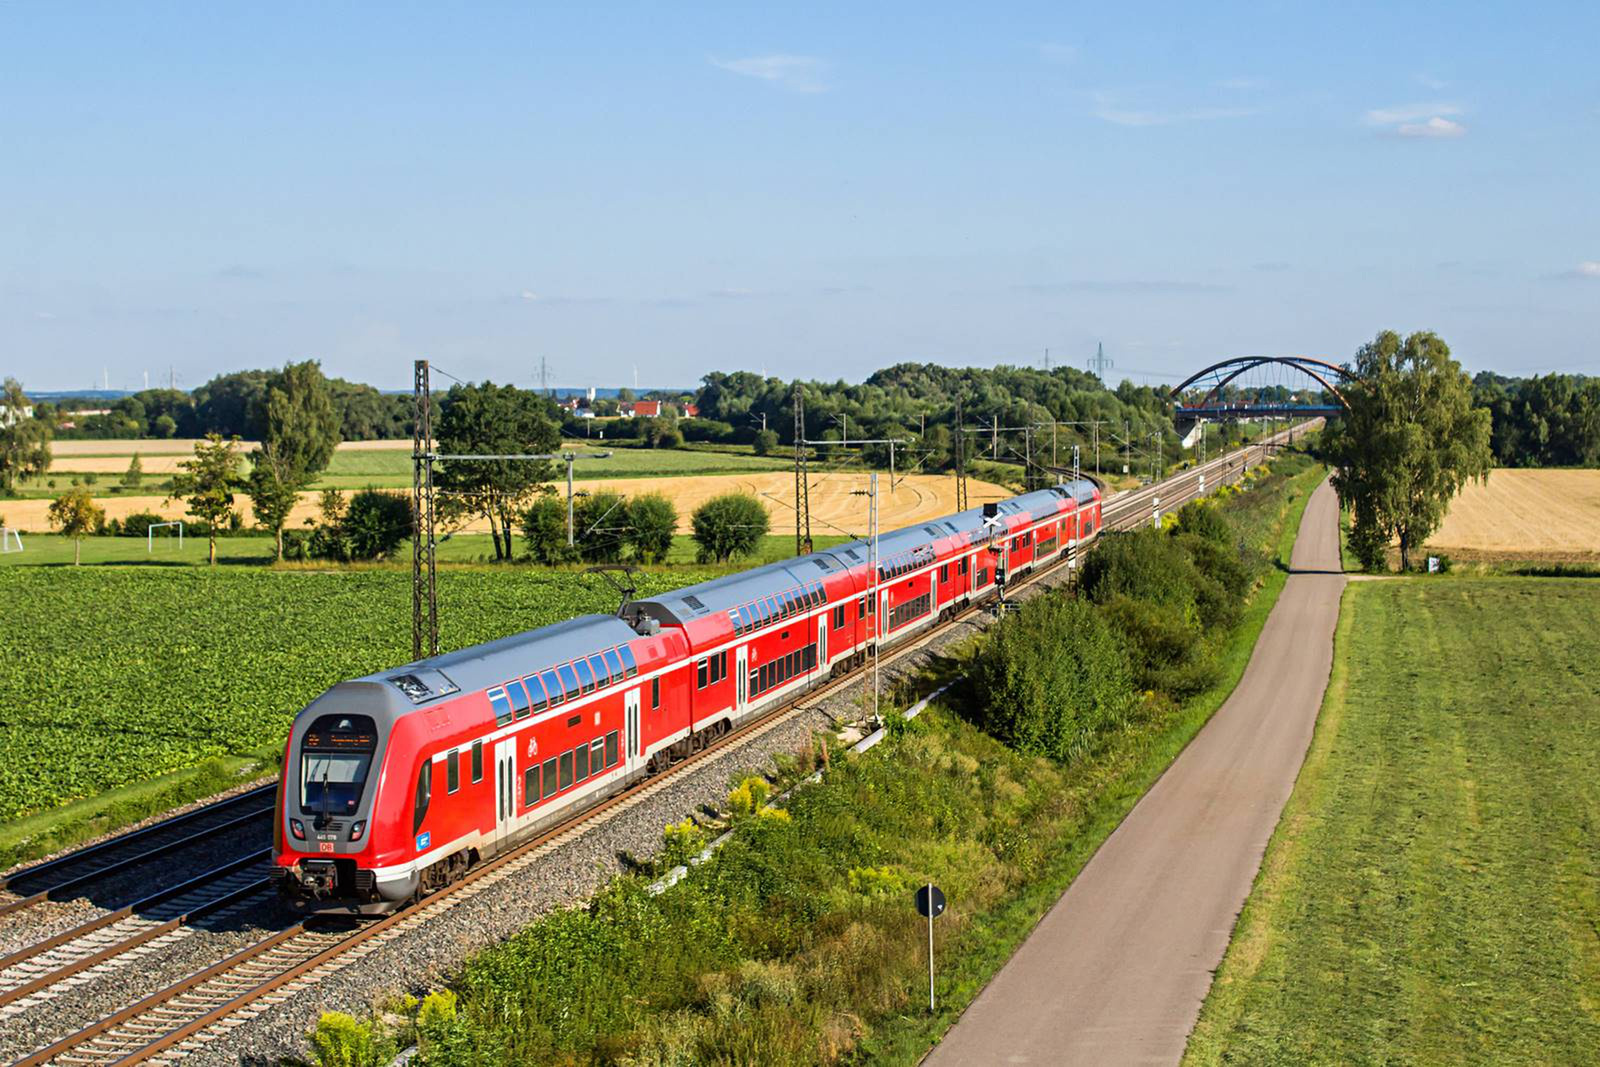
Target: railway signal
[{"x": 930, "y": 905}]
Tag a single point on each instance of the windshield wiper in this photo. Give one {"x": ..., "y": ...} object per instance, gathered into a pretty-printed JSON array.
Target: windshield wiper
[{"x": 323, "y": 815}]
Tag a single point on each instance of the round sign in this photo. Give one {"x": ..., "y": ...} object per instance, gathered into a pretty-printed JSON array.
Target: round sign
[{"x": 930, "y": 901}]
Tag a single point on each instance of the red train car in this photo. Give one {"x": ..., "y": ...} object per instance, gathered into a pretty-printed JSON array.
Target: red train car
[{"x": 396, "y": 783}]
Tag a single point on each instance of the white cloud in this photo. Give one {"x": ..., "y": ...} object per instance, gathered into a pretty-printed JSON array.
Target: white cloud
[
  {"x": 1589, "y": 268},
  {"x": 1058, "y": 53},
  {"x": 1107, "y": 110},
  {"x": 1431, "y": 83},
  {"x": 1242, "y": 84},
  {"x": 1388, "y": 116},
  {"x": 529, "y": 295},
  {"x": 802, "y": 74},
  {"x": 1435, "y": 127},
  {"x": 1425, "y": 120}
]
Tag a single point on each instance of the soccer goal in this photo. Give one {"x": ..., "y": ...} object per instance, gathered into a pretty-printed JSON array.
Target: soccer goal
[
  {"x": 10, "y": 540},
  {"x": 150, "y": 534}
]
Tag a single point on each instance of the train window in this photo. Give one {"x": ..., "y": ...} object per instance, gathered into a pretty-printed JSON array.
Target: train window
[
  {"x": 722, "y": 665},
  {"x": 501, "y": 703},
  {"x": 597, "y": 755},
  {"x": 452, "y": 780},
  {"x": 629, "y": 666},
  {"x": 519, "y": 699},
  {"x": 419, "y": 810},
  {"x": 838, "y": 617},
  {"x": 655, "y": 693},
  {"x": 580, "y": 756},
  {"x": 611, "y": 749},
  {"x": 602, "y": 676},
  {"x": 569, "y": 680},
  {"x": 961, "y": 565},
  {"x": 585, "y": 675},
  {"x": 733, "y": 620},
  {"x": 700, "y": 674},
  {"x": 861, "y": 608},
  {"x": 773, "y": 613},
  {"x": 536, "y": 692},
  {"x": 477, "y": 761},
  {"x": 549, "y": 777},
  {"x": 944, "y": 572},
  {"x": 755, "y": 678},
  {"x": 530, "y": 786},
  {"x": 811, "y": 657},
  {"x": 566, "y": 769}
]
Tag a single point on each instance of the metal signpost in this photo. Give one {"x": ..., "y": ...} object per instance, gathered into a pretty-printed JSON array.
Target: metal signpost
[{"x": 930, "y": 904}]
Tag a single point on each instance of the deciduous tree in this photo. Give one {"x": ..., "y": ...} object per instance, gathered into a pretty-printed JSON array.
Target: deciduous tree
[
  {"x": 207, "y": 481},
  {"x": 299, "y": 430},
  {"x": 24, "y": 439},
  {"x": 491, "y": 419},
  {"x": 76, "y": 514},
  {"x": 1410, "y": 441},
  {"x": 652, "y": 523}
]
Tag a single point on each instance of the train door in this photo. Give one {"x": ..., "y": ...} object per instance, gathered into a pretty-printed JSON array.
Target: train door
[
  {"x": 631, "y": 738},
  {"x": 741, "y": 675},
  {"x": 505, "y": 786},
  {"x": 822, "y": 640}
]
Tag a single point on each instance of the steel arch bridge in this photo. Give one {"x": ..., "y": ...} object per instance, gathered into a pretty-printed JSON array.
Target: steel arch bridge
[{"x": 1215, "y": 380}]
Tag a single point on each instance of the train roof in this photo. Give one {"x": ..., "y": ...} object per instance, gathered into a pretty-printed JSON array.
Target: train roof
[
  {"x": 479, "y": 667},
  {"x": 705, "y": 599}
]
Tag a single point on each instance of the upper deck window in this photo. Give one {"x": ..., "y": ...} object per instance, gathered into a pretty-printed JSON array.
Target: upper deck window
[
  {"x": 519, "y": 699},
  {"x": 536, "y": 692},
  {"x": 630, "y": 666},
  {"x": 552, "y": 687},
  {"x": 614, "y": 666},
  {"x": 585, "y": 674},
  {"x": 569, "y": 681}
]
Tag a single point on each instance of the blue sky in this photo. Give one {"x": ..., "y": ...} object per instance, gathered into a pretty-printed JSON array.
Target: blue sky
[{"x": 819, "y": 191}]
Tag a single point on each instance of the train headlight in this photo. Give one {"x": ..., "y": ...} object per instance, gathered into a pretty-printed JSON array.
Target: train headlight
[
  {"x": 298, "y": 829},
  {"x": 357, "y": 829}
]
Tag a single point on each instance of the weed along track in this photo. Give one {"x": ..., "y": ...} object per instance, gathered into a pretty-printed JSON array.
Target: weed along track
[{"x": 193, "y": 1013}]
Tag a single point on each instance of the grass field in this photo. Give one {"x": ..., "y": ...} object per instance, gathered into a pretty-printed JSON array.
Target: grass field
[
  {"x": 1432, "y": 893},
  {"x": 1551, "y": 515}
]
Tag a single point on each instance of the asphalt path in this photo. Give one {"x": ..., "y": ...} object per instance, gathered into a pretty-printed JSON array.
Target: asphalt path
[{"x": 1116, "y": 971}]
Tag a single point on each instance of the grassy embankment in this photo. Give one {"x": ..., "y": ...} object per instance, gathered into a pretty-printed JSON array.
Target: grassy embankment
[
  {"x": 1432, "y": 893},
  {"x": 797, "y": 942}
]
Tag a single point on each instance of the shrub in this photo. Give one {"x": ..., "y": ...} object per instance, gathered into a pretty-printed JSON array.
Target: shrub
[
  {"x": 1204, "y": 519},
  {"x": 544, "y": 527},
  {"x": 652, "y": 523},
  {"x": 138, "y": 524},
  {"x": 766, "y": 442},
  {"x": 376, "y": 523},
  {"x": 340, "y": 1041},
  {"x": 1144, "y": 564},
  {"x": 729, "y": 527},
  {"x": 599, "y": 526},
  {"x": 1052, "y": 679}
]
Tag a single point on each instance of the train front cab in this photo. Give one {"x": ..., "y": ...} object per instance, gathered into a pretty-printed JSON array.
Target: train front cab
[{"x": 324, "y": 857}]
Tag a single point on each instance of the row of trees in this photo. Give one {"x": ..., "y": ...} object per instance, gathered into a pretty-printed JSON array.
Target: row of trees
[{"x": 1547, "y": 421}]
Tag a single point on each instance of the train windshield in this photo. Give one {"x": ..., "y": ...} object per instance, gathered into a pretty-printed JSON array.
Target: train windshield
[{"x": 335, "y": 756}]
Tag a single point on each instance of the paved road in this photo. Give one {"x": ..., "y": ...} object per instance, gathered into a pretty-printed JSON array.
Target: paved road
[{"x": 1116, "y": 971}]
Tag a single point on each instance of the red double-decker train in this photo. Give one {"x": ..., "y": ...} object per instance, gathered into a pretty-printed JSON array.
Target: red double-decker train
[{"x": 397, "y": 783}]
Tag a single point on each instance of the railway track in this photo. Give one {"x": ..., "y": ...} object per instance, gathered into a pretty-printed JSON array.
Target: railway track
[
  {"x": 167, "y": 1025},
  {"x": 74, "y": 872}
]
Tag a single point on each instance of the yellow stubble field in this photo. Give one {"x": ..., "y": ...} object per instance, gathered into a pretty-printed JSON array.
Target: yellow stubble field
[{"x": 1525, "y": 514}]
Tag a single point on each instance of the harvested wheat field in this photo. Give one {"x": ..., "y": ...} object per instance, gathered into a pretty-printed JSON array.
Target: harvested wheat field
[
  {"x": 1525, "y": 514},
  {"x": 835, "y": 508}
]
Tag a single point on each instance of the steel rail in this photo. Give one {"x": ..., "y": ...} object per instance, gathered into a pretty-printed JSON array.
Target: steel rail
[
  {"x": 135, "y": 836},
  {"x": 128, "y": 862},
  {"x": 128, "y": 1052}
]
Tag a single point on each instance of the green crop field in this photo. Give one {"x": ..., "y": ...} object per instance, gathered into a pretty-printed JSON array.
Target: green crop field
[
  {"x": 112, "y": 675},
  {"x": 1432, "y": 894}
]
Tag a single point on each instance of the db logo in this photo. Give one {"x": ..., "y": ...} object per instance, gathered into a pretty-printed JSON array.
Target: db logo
[
  {"x": 324, "y": 846},
  {"x": 533, "y": 747}
]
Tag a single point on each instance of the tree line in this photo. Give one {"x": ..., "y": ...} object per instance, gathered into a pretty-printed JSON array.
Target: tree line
[{"x": 1551, "y": 420}]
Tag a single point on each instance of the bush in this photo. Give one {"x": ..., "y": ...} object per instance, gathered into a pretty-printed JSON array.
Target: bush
[
  {"x": 652, "y": 524},
  {"x": 1204, "y": 519},
  {"x": 729, "y": 527},
  {"x": 1144, "y": 564},
  {"x": 1052, "y": 679},
  {"x": 340, "y": 1041},
  {"x": 705, "y": 430},
  {"x": 766, "y": 442},
  {"x": 376, "y": 523},
  {"x": 544, "y": 527},
  {"x": 599, "y": 526},
  {"x": 138, "y": 524}
]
